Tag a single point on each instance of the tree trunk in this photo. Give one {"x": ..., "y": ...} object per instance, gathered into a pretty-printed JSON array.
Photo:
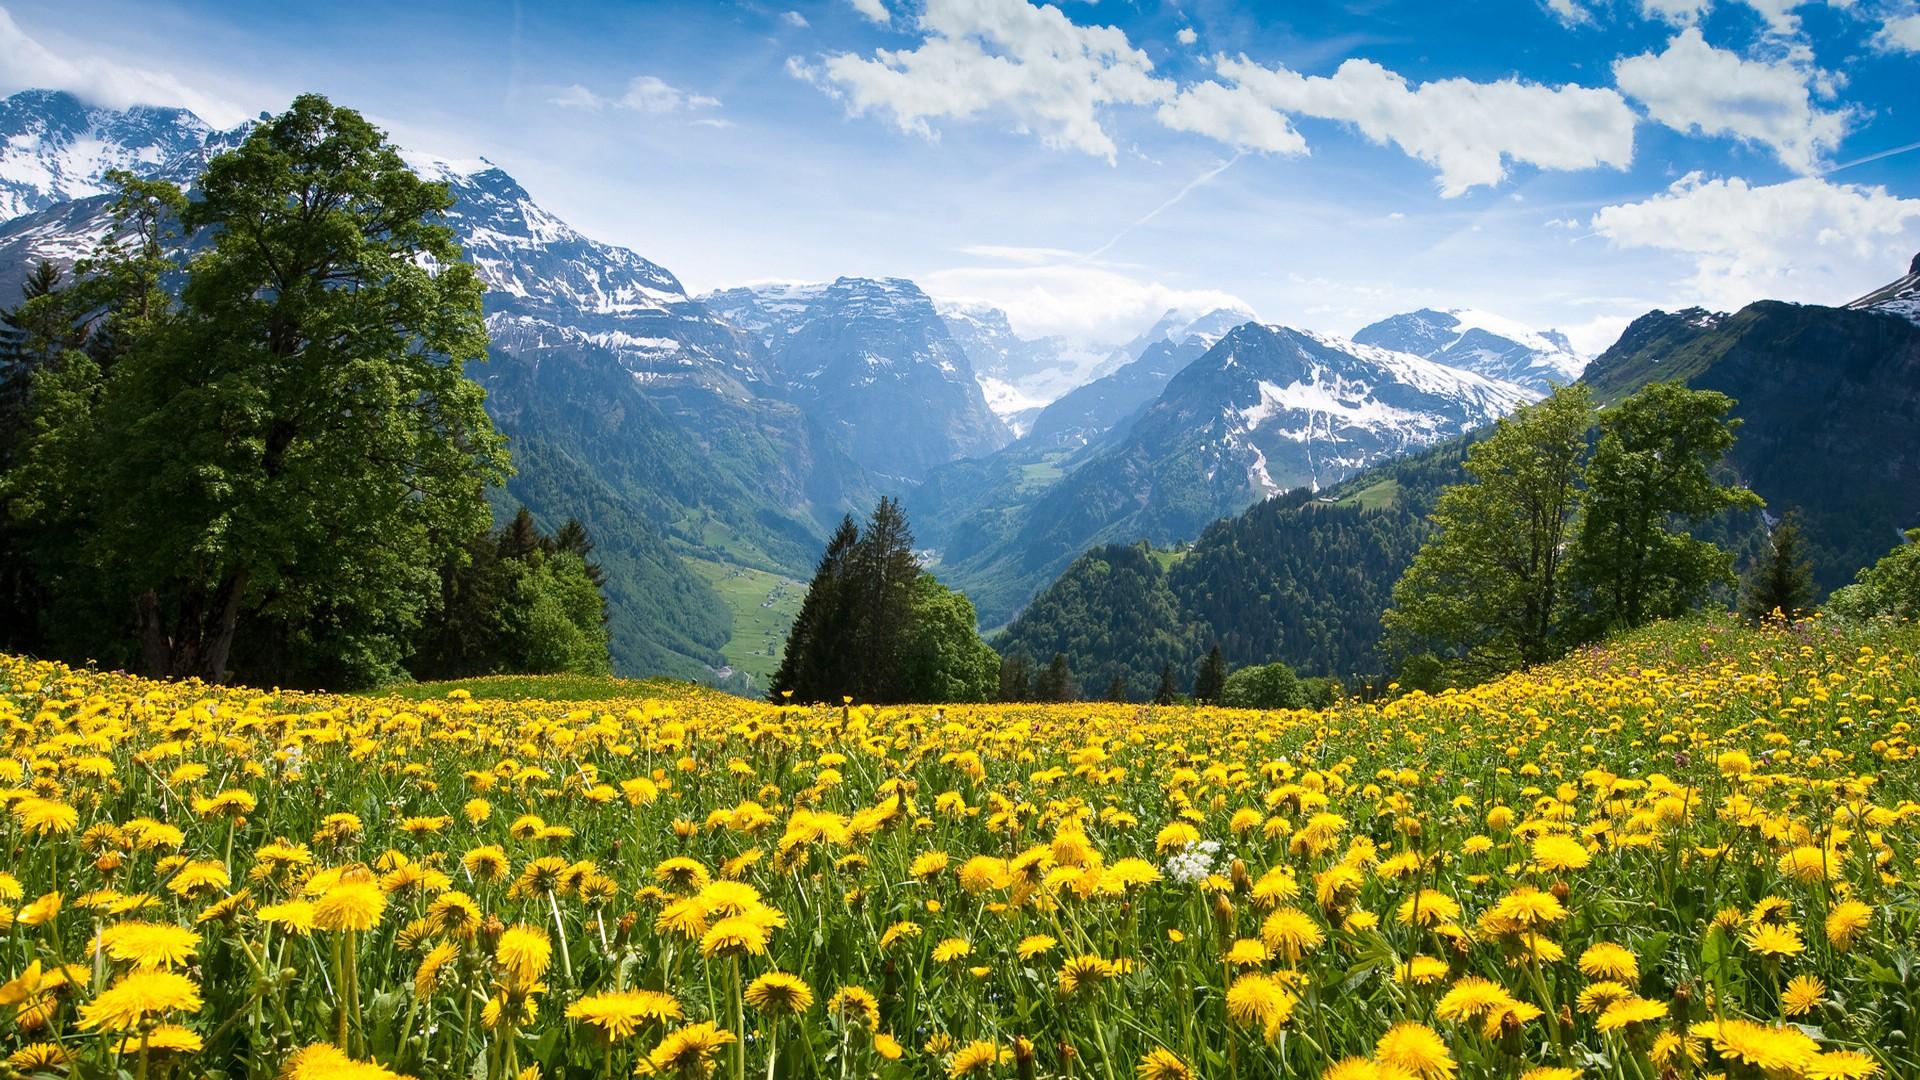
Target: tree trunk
[{"x": 197, "y": 647}]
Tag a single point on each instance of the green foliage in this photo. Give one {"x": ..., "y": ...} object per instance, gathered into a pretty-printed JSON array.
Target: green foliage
[
  {"x": 945, "y": 660},
  {"x": 1211, "y": 678},
  {"x": 1165, "y": 692},
  {"x": 1016, "y": 678},
  {"x": 877, "y": 628},
  {"x": 1263, "y": 686},
  {"x": 1056, "y": 682},
  {"x": 518, "y": 601},
  {"x": 1890, "y": 587},
  {"x": 1487, "y": 587},
  {"x": 1113, "y": 615},
  {"x": 270, "y": 471},
  {"x": 1649, "y": 479}
]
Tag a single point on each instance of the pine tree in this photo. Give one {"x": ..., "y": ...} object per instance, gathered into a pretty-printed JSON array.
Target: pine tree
[
  {"x": 520, "y": 536},
  {"x": 811, "y": 668},
  {"x": 572, "y": 539},
  {"x": 883, "y": 573},
  {"x": 1117, "y": 689},
  {"x": 1781, "y": 579},
  {"x": 1016, "y": 677},
  {"x": 1211, "y": 678},
  {"x": 1167, "y": 692},
  {"x": 1056, "y": 683}
]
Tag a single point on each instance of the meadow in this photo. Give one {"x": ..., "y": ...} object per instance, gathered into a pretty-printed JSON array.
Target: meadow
[{"x": 1686, "y": 854}]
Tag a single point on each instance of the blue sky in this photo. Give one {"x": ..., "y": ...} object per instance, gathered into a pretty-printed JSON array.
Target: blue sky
[{"x": 1568, "y": 163}]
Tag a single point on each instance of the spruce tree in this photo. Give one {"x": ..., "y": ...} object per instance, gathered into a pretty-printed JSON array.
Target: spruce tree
[
  {"x": 1117, "y": 689},
  {"x": 1056, "y": 683},
  {"x": 1016, "y": 677},
  {"x": 812, "y": 668},
  {"x": 572, "y": 539},
  {"x": 1781, "y": 578},
  {"x": 1167, "y": 691},
  {"x": 883, "y": 573},
  {"x": 1211, "y": 678}
]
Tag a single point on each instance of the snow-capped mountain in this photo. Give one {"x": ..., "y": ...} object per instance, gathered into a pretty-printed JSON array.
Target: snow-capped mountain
[
  {"x": 54, "y": 149},
  {"x": 1264, "y": 410},
  {"x": 1090, "y": 411},
  {"x": 1900, "y": 297},
  {"x": 872, "y": 358},
  {"x": 1482, "y": 343},
  {"x": 1019, "y": 375},
  {"x": 1272, "y": 408},
  {"x": 548, "y": 286}
]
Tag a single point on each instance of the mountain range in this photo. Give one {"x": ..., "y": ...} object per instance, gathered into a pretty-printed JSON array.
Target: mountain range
[
  {"x": 702, "y": 437},
  {"x": 1828, "y": 400}
]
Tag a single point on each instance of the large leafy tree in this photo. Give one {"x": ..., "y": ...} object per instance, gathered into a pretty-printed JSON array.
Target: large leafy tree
[
  {"x": 294, "y": 447},
  {"x": 1649, "y": 479},
  {"x": 1487, "y": 587},
  {"x": 1889, "y": 587}
]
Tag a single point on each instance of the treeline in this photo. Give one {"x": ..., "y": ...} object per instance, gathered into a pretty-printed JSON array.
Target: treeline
[
  {"x": 876, "y": 628},
  {"x": 241, "y": 440},
  {"x": 1258, "y": 686}
]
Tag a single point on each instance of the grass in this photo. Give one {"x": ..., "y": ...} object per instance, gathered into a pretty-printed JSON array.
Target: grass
[
  {"x": 763, "y": 606},
  {"x": 1035, "y": 475},
  {"x": 1374, "y": 496},
  {"x": 1167, "y": 557},
  {"x": 537, "y": 688}
]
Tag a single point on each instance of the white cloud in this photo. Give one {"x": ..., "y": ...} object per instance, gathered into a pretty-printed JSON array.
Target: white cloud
[
  {"x": 1187, "y": 35},
  {"x": 1900, "y": 35},
  {"x": 1806, "y": 240},
  {"x": 1033, "y": 64},
  {"x": 795, "y": 19},
  {"x": 1694, "y": 87},
  {"x": 1570, "y": 11},
  {"x": 1077, "y": 300},
  {"x": 644, "y": 94},
  {"x": 1015, "y": 254},
  {"x": 25, "y": 64},
  {"x": 1465, "y": 129},
  {"x": 1676, "y": 12},
  {"x": 1596, "y": 335},
  {"x": 872, "y": 9}
]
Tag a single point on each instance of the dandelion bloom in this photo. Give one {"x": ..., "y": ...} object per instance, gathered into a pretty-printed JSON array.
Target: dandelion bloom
[
  {"x": 149, "y": 945},
  {"x": 1291, "y": 933},
  {"x": 1846, "y": 922},
  {"x": 137, "y": 998},
  {"x": 778, "y": 993},
  {"x": 975, "y": 1059},
  {"x": 1802, "y": 995},
  {"x": 1418, "y": 1049},
  {"x": 736, "y": 935},
  {"x": 350, "y": 905},
  {"x": 525, "y": 952},
  {"x": 620, "y": 1013},
  {"x": 1163, "y": 1064},
  {"x": 1558, "y": 854},
  {"x": 1607, "y": 960}
]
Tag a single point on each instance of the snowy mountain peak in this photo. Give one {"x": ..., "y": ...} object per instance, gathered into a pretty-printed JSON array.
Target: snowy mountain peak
[
  {"x": 54, "y": 148},
  {"x": 1900, "y": 297},
  {"x": 1480, "y": 342}
]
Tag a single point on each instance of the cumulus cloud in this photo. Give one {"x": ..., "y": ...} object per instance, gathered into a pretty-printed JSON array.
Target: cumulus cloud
[
  {"x": 1900, "y": 34},
  {"x": 1187, "y": 35},
  {"x": 1467, "y": 130},
  {"x": 1806, "y": 240},
  {"x": 1694, "y": 87},
  {"x": 1079, "y": 300},
  {"x": 25, "y": 63},
  {"x": 644, "y": 94},
  {"x": 794, "y": 19},
  {"x": 873, "y": 9},
  {"x": 1569, "y": 11},
  {"x": 1032, "y": 64}
]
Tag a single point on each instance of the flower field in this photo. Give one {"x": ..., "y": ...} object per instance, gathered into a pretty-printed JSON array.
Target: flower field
[{"x": 1691, "y": 854}]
